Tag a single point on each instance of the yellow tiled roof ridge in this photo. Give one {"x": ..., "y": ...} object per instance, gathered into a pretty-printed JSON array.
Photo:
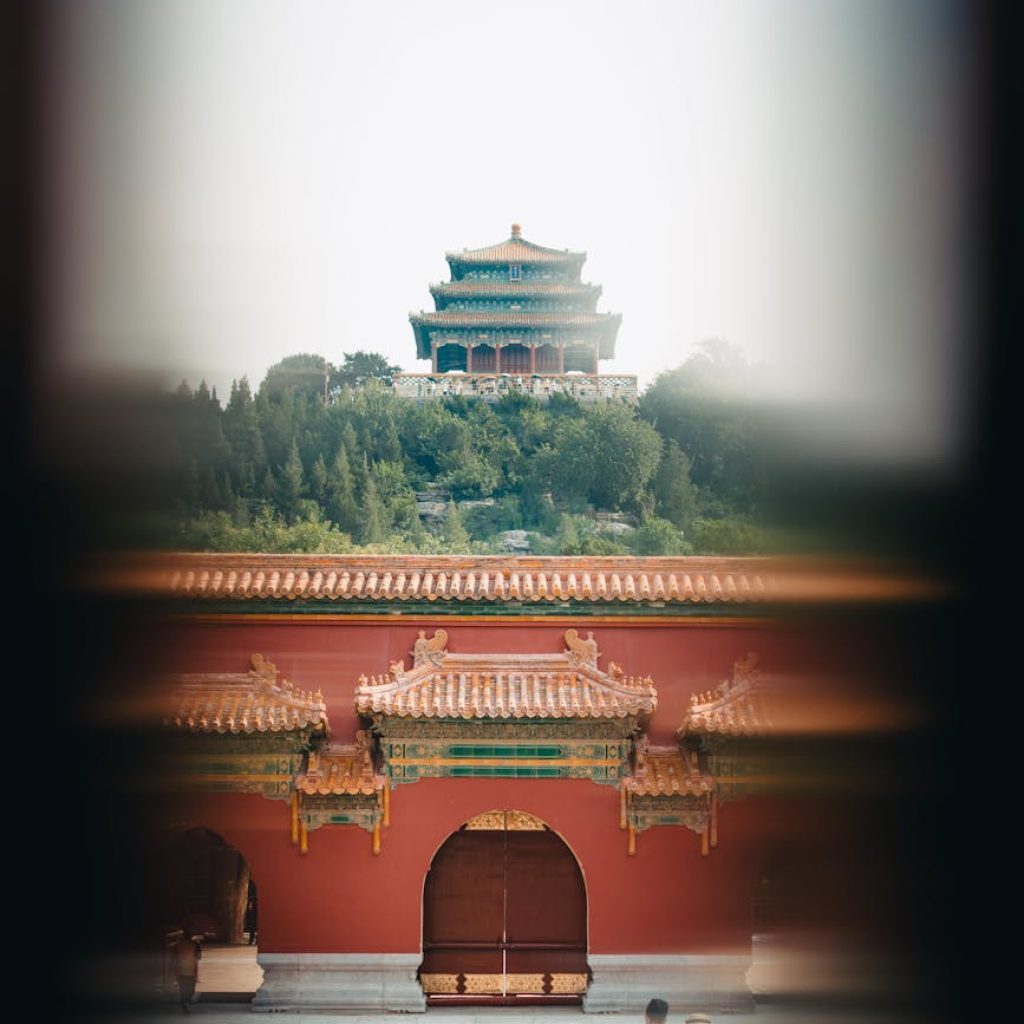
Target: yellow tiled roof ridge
[
  {"x": 340, "y": 769},
  {"x": 502, "y": 578},
  {"x": 514, "y": 249},
  {"x": 244, "y": 702},
  {"x": 567, "y": 684},
  {"x": 667, "y": 772},
  {"x": 738, "y": 706}
]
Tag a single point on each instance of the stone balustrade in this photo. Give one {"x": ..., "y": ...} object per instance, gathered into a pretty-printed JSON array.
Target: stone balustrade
[{"x": 489, "y": 386}]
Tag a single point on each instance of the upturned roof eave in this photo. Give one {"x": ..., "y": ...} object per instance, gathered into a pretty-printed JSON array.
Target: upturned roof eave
[
  {"x": 507, "y": 290},
  {"x": 484, "y": 257},
  {"x": 526, "y": 318},
  {"x": 422, "y": 341}
]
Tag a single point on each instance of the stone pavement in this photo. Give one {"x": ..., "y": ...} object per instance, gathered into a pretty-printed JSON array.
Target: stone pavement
[
  {"x": 236, "y": 1013},
  {"x": 227, "y": 971}
]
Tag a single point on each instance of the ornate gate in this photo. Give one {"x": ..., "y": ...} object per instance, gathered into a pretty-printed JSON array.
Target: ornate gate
[{"x": 504, "y": 916}]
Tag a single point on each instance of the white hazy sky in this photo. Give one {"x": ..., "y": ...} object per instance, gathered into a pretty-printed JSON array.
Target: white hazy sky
[{"x": 238, "y": 180}]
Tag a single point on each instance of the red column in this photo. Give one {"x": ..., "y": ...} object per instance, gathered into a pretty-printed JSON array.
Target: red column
[
  {"x": 595, "y": 360},
  {"x": 561, "y": 359},
  {"x": 497, "y": 358},
  {"x": 433, "y": 357},
  {"x": 533, "y": 359},
  {"x": 469, "y": 358}
]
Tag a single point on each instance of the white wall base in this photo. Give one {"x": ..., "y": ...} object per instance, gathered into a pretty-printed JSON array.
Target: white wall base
[
  {"x": 340, "y": 982},
  {"x": 827, "y": 969},
  {"x": 624, "y": 984}
]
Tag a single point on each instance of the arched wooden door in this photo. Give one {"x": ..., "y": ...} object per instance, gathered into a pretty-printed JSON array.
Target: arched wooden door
[{"x": 504, "y": 916}]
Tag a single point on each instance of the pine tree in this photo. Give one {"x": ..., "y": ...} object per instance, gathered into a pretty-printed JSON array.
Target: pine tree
[
  {"x": 290, "y": 483},
  {"x": 318, "y": 481},
  {"x": 242, "y": 426},
  {"x": 228, "y": 498},
  {"x": 342, "y": 507},
  {"x": 454, "y": 532},
  {"x": 350, "y": 443},
  {"x": 245, "y": 476},
  {"x": 371, "y": 512},
  {"x": 674, "y": 490},
  {"x": 569, "y": 541},
  {"x": 417, "y": 531},
  {"x": 209, "y": 492},
  {"x": 268, "y": 489},
  {"x": 190, "y": 487}
]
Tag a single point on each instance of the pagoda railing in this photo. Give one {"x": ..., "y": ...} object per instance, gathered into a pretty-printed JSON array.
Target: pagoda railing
[{"x": 586, "y": 387}]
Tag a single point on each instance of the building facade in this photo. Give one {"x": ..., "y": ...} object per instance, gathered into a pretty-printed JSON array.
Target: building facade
[
  {"x": 502, "y": 780},
  {"x": 515, "y": 317}
]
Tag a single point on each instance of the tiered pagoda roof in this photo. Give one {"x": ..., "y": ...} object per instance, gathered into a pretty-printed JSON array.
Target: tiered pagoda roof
[
  {"x": 487, "y": 288},
  {"x": 444, "y": 290},
  {"x": 515, "y": 249}
]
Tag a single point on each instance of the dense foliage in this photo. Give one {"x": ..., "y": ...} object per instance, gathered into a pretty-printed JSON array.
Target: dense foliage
[{"x": 281, "y": 470}]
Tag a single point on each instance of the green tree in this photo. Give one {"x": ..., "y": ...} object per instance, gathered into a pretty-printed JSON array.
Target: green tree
[
  {"x": 569, "y": 539},
  {"x": 729, "y": 536},
  {"x": 675, "y": 495},
  {"x": 357, "y": 368},
  {"x": 454, "y": 532},
  {"x": 341, "y": 503},
  {"x": 303, "y": 373},
  {"x": 700, "y": 405},
  {"x": 627, "y": 451},
  {"x": 290, "y": 484},
  {"x": 417, "y": 532},
  {"x": 372, "y": 529},
  {"x": 605, "y": 456},
  {"x": 658, "y": 537},
  {"x": 215, "y": 531},
  {"x": 277, "y": 425},
  {"x": 242, "y": 428},
  {"x": 318, "y": 480}
]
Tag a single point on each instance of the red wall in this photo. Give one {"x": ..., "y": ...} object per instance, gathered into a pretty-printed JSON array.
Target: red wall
[
  {"x": 341, "y": 898},
  {"x": 330, "y": 656}
]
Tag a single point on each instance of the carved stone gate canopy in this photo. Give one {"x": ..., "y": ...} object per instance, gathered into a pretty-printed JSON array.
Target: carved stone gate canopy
[
  {"x": 743, "y": 705},
  {"x": 684, "y": 785},
  {"x": 510, "y": 715},
  {"x": 565, "y": 685},
  {"x": 244, "y": 732},
  {"x": 256, "y": 701}
]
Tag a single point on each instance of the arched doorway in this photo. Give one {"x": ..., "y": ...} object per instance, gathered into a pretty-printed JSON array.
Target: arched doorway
[
  {"x": 205, "y": 887},
  {"x": 504, "y": 916},
  {"x": 200, "y": 885}
]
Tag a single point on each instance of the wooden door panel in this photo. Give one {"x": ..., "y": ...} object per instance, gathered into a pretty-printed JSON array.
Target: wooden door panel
[
  {"x": 505, "y": 911},
  {"x": 544, "y": 891},
  {"x": 463, "y": 905}
]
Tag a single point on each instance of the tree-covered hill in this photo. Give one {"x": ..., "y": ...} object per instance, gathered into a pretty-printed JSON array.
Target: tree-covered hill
[{"x": 285, "y": 470}]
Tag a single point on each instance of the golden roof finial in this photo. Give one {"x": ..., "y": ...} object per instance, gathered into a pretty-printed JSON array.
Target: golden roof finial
[{"x": 517, "y": 231}]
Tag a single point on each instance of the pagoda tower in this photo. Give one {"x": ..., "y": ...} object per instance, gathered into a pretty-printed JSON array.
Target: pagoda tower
[{"x": 515, "y": 317}]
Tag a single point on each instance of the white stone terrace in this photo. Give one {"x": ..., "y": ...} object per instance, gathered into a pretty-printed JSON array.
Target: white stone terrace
[{"x": 586, "y": 387}]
